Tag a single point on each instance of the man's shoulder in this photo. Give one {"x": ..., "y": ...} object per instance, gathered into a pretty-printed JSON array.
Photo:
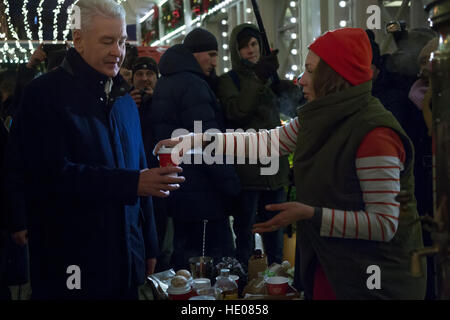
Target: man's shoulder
[
  {"x": 182, "y": 83},
  {"x": 126, "y": 104},
  {"x": 186, "y": 75},
  {"x": 49, "y": 80}
]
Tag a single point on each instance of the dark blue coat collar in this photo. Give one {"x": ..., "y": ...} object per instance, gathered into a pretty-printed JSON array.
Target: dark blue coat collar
[{"x": 75, "y": 65}]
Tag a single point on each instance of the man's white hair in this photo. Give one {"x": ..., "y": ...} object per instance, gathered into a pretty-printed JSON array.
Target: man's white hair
[{"x": 105, "y": 8}]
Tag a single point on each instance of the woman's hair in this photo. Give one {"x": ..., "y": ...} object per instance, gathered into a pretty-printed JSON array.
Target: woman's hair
[
  {"x": 327, "y": 81},
  {"x": 105, "y": 8}
]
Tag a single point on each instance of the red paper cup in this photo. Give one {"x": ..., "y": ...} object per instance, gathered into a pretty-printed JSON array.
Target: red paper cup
[
  {"x": 277, "y": 285},
  {"x": 165, "y": 157},
  {"x": 183, "y": 293}
]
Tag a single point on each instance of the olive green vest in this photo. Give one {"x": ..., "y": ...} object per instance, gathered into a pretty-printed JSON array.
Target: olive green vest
[{"x": 332, "y": 128}]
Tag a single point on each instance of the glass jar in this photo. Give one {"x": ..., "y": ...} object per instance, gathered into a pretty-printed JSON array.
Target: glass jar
[{"x": 227, "y": 285}]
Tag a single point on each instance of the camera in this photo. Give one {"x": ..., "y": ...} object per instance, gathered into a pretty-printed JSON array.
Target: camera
[{"x": 53, "y": 47}]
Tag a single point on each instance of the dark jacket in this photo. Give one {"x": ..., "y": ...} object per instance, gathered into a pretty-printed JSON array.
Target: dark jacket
[
  {"x": 159, "y": 204},
  {"x": 181, "y": 97},
  {"x": 24, "y": 77},
  {"x": 4, "y": 290},
  {"x": 73, "y": 168},
  {"x": 147, "y": 133},
  {"x": 392, "y": 89},
  {"x": 252, "y": 106}
]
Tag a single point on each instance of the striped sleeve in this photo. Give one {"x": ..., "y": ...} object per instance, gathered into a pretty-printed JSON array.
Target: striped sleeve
[
  {"x": 279, "y": 141},
  {"x": 379, "y": 161}
]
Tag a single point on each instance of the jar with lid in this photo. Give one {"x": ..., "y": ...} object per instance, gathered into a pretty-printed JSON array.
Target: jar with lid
[{"x": 227, "y": 285}]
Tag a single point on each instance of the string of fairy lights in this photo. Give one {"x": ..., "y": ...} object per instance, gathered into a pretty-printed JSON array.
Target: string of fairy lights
[
  {"x": 41, "y": 28},
  {"x": 15, "y": 53},
  {"x": 56, "y": 12},
  {"x": 18, "y": 54},
  {"x": 27, "y": 26},
  {"x": 13, "y": 32},
  {"x": 68, "y": 23}
]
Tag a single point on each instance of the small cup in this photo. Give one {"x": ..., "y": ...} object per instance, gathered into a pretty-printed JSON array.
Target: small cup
[
  {"x": 277, "y": 285},
  {"x": 165, "y": 157}
]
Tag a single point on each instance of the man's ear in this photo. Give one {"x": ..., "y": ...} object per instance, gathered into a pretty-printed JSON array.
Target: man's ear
[{"x": 77, "y": 41}]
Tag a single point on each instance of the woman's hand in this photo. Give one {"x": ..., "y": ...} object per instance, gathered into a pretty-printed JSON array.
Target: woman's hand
[
  {"x": 290, "y": 212},
  {"x": 186, "y": 141}
]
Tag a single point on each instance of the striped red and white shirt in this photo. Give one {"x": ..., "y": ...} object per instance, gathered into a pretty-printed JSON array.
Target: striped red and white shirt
[{"x": 379, "y": 160}]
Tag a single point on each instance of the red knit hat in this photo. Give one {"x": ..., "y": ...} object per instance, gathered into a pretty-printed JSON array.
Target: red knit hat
[{"x": 348, "y": 52}]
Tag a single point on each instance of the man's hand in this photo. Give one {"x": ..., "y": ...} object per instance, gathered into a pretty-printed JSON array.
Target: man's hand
[
  {"x": 290, "y": 212},
  {"x": 267, "y": 66},
  {"x": 137, "y": 97},
  {"x": 20, "y": 237},
  {"x": 149, "y": 91},
  {"x": 158, "y": 182},
  {"x": 151, "y": 263},
  {"x": 136, "y": 94},
  {"x": 37, "y": 57}
]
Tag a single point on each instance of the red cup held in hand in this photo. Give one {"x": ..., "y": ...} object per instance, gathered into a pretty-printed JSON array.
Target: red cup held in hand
[{"x": 165, "y": 157}]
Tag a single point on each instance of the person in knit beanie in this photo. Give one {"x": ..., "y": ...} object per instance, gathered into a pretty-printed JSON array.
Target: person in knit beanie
[
  {"x": 347, "y": 52},
  {"x": 347, "y": 135},
  {"x": 200, "y": 40},
  {"x": 203, "y": 45},
  {"x": 143, "y": 79}
]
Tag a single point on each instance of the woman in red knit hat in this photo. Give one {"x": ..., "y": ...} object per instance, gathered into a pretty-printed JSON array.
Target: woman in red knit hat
[{"x": 351, "y": 159}]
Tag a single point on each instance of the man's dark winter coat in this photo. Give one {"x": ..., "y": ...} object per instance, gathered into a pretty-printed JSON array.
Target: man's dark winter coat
[{"x": 73, "y": 168}]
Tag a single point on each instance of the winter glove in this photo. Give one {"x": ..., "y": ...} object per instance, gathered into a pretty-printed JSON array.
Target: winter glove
[{"x": 267, "y": 66}]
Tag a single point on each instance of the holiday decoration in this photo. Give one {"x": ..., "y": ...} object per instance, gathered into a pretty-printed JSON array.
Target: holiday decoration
[
  {"x": 150, "y": 28},
  {"x": 172, "y": 15}
]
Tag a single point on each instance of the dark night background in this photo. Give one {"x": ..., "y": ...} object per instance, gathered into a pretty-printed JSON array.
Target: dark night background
[{"x": 47, "y": 15}]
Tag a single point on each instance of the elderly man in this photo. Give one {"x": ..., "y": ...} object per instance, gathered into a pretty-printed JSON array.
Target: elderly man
[{"x": 77, "y": 168}]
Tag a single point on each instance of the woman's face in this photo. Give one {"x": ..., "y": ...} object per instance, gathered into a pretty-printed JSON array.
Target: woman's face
[{"x": 306, "y": 81}]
